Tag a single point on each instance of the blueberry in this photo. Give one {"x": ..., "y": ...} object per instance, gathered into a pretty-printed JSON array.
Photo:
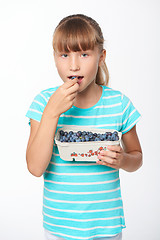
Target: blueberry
[
  {"x": 79, "y": 133},
  {"x": 86, "y": 138},
  {"x": 109, "y": 138},
  {"x": 84, "y": 133},
  {"x": 82, "y": 136},
  {"x": 61, "y": 132},
  {"x": 116, "y": 138},
  {"x": 101, "y": 138},
  {"x": 78, "y": 140},
  {"x": 113, "y": 138},
  {"x": 95, "y": 134},
  {"x": 97, "y": 139},
  {"x": 70, "y": 133}
]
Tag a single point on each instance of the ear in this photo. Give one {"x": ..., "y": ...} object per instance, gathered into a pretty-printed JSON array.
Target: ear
[{"x": 102, "y": 57}]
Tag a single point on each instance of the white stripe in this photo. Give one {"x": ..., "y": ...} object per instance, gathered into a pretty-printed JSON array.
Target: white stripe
[
  {"x": 84, "y": 238},
  {"x": 38, "y": 102},
  {"x": 126, "y": 107},
  {"x": 83, "y": 202},
  {"x": 99, "y": 116},
  {"x": 114, "y": 96},
  {"x": 81, "y": 184},
  {"x": 43, "y": 97},
  {"x": 128, "y": 116},
  {"x": 73, "y": 165},
  {"x": 80, "y": 193},
  {"x": 110, "y": 89},
  {"x": 109, "y": 106},
  {"x": 55, "y": 154},
  {"x": 132, "y": 124},
  {"x": 34, "y": 110},
  {"x": 98, "y": 125},
  {"x": 82, "y": 220},
  {"x": 81, "y": 174},
  {"x": 82, "y": 211},
  {"x": 49, "y": 91},
  {"x": 82, "y": 229},
  {"x": 122, "y": 96}
]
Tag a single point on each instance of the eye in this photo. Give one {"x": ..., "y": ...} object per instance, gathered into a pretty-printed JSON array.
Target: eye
[
  {"x": 84, "y": 54},
  {"x": 64, "y": 55}
]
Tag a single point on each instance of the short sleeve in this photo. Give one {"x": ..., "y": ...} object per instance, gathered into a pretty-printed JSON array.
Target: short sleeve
[
  {"x": 130, "y": 115},
  {"x": 36, "y": 108}
]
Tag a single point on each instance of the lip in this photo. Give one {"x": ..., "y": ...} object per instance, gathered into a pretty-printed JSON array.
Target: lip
[{"x": 79, "y": 81}]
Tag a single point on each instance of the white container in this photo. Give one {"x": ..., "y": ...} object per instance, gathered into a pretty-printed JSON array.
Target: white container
[{"x": 83, "y": 151}]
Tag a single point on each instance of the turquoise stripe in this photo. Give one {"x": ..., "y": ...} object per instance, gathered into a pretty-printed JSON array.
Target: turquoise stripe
[
  {"x": 82, "y": 197},
  {"x": 82, "y": 188},
  {"x": 84, "y": 215},
  {"x": 103, "y": 120},
  {"x": 82, "y": 234},
  {"x": 34, "y": 115},
  {"x": 77, "y": 168},
  {"x": 82, "y": 206},
  {"x": 80, "y": 179},
  {"x": 82, "y": 225}
]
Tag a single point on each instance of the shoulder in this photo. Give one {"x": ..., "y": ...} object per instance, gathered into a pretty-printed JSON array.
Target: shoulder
[
  {"x": 108, "y": 91},
  {"x": 49, "y": 91},
  {"x": 114, "y": 92},
  {"x": 44, "y": 95}
]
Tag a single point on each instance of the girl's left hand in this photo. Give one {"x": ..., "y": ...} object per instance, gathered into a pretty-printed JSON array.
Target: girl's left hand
[{"x": 113, "y": 158}]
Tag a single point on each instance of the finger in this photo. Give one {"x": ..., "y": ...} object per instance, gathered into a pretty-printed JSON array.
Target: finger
[
  {"x": 111, "y": 154},
  {"x": 73, "y": 89},
  {"x": 73, "y": 95},
  {"x": 107, "y": 159},
  {"x": 69, "y": 83},
  {"x": 115, "y": 148},
  {"x": 107, "y": 164}
]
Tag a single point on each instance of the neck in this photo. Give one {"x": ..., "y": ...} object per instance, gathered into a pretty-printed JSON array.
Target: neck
[{"x": 89, "y": 97}]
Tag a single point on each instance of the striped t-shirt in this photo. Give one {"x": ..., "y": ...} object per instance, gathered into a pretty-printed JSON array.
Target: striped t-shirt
[{"x": 82, "y": 200}]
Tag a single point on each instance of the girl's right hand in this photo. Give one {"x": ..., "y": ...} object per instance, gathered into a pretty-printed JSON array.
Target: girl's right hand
[{"x": 62, "y": 99}]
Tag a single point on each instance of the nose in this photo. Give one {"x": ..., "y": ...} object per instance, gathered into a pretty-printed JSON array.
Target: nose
[{"x": 74, "y": 64}]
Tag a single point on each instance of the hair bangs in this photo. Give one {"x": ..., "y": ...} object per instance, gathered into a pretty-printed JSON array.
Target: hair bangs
[{"x": 74, "y": 36}]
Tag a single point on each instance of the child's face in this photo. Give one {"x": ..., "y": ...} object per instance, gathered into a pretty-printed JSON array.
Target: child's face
[{"x": 81, "y": 63}]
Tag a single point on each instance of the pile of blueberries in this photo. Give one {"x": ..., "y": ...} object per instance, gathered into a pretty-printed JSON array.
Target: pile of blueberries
[{"x": 83, "y": 136}]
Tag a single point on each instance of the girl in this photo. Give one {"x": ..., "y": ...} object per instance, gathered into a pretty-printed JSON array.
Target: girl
[{"x": 82, "y": 200}]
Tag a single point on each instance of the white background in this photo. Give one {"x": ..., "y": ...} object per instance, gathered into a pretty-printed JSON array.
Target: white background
[{"x": 132, "y": 35}]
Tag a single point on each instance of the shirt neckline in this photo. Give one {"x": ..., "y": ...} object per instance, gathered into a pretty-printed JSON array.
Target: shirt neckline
[{"x": 90, "y": 108}]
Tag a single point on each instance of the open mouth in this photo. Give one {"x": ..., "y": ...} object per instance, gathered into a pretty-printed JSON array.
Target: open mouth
[
  {"x": 73, "y": 77},
  {"x": 80, "y": 78}
]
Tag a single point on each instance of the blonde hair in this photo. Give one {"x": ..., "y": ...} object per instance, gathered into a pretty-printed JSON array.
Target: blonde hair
[{"x": 80, "y": 33}]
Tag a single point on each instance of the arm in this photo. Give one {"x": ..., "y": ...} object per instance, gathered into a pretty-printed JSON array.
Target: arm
[
  {"x": 40, "y": 145},
  {"x": 41, "y": 140},
  {"x": 128, "y": 158}
]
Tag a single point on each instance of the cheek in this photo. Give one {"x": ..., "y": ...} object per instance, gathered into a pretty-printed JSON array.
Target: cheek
[
  {"x": 94, "y": 69},
  {"x": 61, "y": 70}
]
